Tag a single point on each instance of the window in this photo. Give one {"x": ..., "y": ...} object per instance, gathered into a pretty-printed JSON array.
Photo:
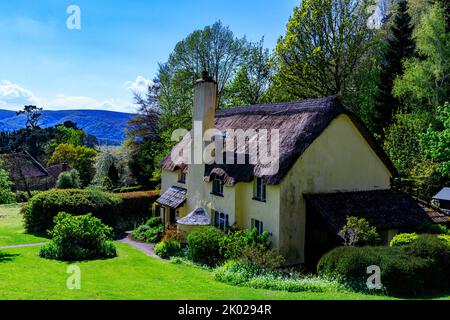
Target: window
[
  {"x": 217, "y": 188},
  {"x": 221, "y": 220},
  {"x": 260, "y": 190},
  {"x": 182, "y": 177},
  {"x": 258, "y": 225}
]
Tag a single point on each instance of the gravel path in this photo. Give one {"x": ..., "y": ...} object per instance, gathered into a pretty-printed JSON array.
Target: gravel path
[{"x": 147, "y": 248}]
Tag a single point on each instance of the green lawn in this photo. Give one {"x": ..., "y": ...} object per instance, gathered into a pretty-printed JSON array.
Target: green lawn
[
  {"x": 11, "y": 230},
  {"x": 132, "y": 275}
]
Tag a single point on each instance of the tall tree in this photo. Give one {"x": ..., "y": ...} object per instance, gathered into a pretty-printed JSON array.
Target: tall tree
[
  {"x": 33, "y": 115},
  {"x": 425, "y": 83},
  {"x": 143, "y": 142},
  {"x": 323, "y": 45},
  {"x": 399, "y": 45},
  {"x": 252, "y": 79}
]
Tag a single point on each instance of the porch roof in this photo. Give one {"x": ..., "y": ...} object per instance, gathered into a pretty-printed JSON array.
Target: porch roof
[
  {"x": 174, "y": 197},
  {"x": 198, "y": 217},
  {"x": 383, "y": 209}
]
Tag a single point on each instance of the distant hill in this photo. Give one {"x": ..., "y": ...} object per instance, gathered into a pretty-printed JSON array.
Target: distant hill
[{"x": 107, "y": 126}]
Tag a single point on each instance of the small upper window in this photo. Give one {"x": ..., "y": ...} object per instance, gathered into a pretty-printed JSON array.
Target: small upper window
[
  {"x": 182, "y": 177},
  {"x": 259, "y": 190},
  {"x": 217, "y": 187}
]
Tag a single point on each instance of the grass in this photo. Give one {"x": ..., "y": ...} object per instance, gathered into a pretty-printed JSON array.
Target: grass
[
  {"x": 11, "y": 229},
  {"x": 132, "y": 275}
]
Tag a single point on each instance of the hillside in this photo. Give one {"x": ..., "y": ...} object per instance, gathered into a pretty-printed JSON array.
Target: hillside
[{"x": 107, "y": 126}]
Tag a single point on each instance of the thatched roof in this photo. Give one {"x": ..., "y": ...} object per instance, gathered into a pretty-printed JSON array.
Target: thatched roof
[
  {"x": 384, "y": 209},
  {"x": 57, "y": 169},
  {"x": 299, "y": 124},
  {"x": 22, "y": 164},
  {"x": 174, "y": 197},
  {"x": 198, "y": 217}
]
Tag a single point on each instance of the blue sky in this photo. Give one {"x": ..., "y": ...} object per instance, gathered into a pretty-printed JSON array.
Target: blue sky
[{"x": 118, "y": 47}]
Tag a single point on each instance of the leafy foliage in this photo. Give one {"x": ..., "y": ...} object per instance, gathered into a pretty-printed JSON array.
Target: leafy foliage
[
  {"x": 241, "y": 273},
  {"x": 204, "y": 246},
  {"x": 78, "y": 157},
  {"x": 400, "y": 46},
  {"x": 323, "y": 45},
  {"x": 6, "y": 195},
  {"x": 357, "y": 231},
  {"x": 76, "y": 238},
  {"x": 413, "y": 269},
  {"x": 403, "y": 239},
  {"x": 169, "y": 248},
  {"x": 69, "y": 180},
  {"x": 41, "y": 209}
]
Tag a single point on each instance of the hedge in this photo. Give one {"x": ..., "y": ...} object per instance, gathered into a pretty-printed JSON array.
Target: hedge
[
  {"x": 418, "y": 268},
  {"x": 121, "y": 212}
]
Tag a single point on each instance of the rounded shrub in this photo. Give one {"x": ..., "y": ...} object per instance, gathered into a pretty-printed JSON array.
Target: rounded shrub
[
  {"x": 403, "y": 239},
  {"x": 167, "y": 249},
  {"x": 204, "y": 245},
  {"x": 69, "y": 180},
  {"x": 39, "y": 212},
  {"x": 76, "y": 238},
  {"x": 417, "y": 268}
]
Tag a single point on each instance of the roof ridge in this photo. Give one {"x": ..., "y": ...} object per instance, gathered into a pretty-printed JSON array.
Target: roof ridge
[{"x": 300, "y": 104}]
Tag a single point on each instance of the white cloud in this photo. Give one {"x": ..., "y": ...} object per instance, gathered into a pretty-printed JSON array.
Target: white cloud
[
  {"x": 139, "y": 85},
  {"x": 14, "y": 97},
  {"x": 13, "y": 94}
]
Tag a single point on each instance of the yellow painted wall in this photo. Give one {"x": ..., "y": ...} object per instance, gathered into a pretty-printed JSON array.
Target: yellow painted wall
[
  {"x": 267, "y": 212},
  {"x": 199, "y": 195},
  {"x": 340, "y": 159}
]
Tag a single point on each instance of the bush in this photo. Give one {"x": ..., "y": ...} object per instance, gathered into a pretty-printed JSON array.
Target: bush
[
  {"x": 259, "y": 254},
  {"x": 419, "y": 267},
  {"x": 139, "y": 204},
  {"x": 446, "y": 238},
  {"x": 233, "y": 243},
  {"x": 69, "y": 180},
  {"x": 41, "y": 209},
  {"x": 204, "y": 246},
  {"x": 23, "y": 196},
  {"x": 357, "y": 231},
  {"x": 403, "y": 239},
  {"x": 149, "y": 234},
  {"x": 167, "y": 249},
  {"x": 152, "y": 231},
  {"x": 6, "y": 195},
  {"x": 76, "y": 238},
  {"x": 154, "y": 222},
  {"x": 174, "y": 234}
]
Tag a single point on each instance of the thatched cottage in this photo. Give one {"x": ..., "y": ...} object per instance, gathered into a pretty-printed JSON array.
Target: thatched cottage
[
  {"x": 27, "y": 174},
  {"x": 329, "y": 167}
]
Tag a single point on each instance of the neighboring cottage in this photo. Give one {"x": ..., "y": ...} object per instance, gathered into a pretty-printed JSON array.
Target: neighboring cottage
[
  {"x": 29, "y": 174},
  {"x": 442, "y": 199},
  {"x": 330, "y": 167}
]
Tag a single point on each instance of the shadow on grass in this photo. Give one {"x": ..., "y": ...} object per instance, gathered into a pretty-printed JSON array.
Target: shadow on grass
[{"x": 7, "y": 257}]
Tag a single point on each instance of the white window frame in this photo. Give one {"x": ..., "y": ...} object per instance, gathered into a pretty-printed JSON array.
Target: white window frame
[
  {"x": 260, "y": 190},
  {"x": 221, "y": 220}
]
